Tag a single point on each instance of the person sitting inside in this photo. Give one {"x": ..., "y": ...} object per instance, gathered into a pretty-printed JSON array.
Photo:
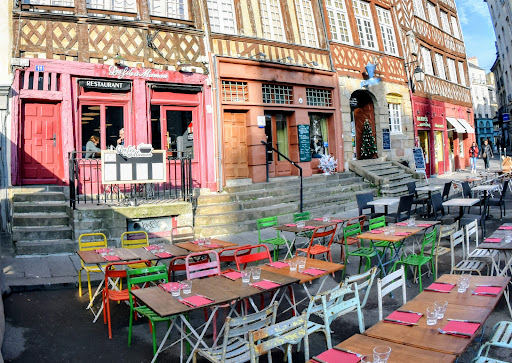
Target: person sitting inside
[
  {"x": 120, "y": 141},
  {"x": 91, "y": 148}
]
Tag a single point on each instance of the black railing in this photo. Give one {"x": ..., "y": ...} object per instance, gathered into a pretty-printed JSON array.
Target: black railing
[
  {"x": 269, "y": 147},
  {"x": 85, "y": 184}
]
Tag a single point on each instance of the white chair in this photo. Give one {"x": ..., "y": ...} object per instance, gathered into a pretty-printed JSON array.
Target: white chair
[
  {"x": 332, "y": 304},
  {"x": 390, "y": 283},
  {"x": 464, "y": 265},
  {"x": 364, "y": 281},
  {"x": 487, "y": 256}
]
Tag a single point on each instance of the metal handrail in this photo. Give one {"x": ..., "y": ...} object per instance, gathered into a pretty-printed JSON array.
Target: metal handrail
[{"x": 268, "y": 146}]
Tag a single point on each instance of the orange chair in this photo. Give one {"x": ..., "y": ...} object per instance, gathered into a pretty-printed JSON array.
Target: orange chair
[
  {"x": 351, "y": 240},
  {"x": 319, "y": 249},
  {"x": 109, "y": 294}
]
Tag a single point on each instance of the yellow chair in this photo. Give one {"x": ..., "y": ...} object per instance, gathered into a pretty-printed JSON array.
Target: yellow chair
[
  {"x": 139, "y": 239},
  {"x": 88, "y": 242}
]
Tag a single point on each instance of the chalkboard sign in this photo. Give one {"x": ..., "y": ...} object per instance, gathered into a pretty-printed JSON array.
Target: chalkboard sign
[
  {"x": 386, "y": 140},
  {"x": 304, "y": 143},
  {"x": 419, "y": 159}
]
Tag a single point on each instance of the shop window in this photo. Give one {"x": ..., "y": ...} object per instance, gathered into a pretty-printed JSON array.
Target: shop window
[
  {"x": 222, "y": 16},
  {"x": 104, "y": 122},
  {"x": 338, "y": 21},
  {"x": 234, "y": 91},
  {"x": 274, "y": 93},
  {"x": 395, "y": 120},
  {"x": 180, "y": 135},
  {"x": 319, "y": 135},
  {"x": 319, "y": 97},
  {"x": 307, "y": 27},
  {"x": 364, "y": 24},
  {"x": 271, "y": 20}
]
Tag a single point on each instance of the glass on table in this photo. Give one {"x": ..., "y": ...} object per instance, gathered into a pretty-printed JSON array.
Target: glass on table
[
  {"x": 207, "y": 241},
  {"x": 161, "y": 247},
  {"x": 186, "y": 286},
  {"x": 326, "y": 219},
  {"x": 246, "y": 276},
  {"x": 463, "y": 283},
  {"x": 301, "y": 263},
  {"x": 175, "y": 289},
  {"x": 256, "y": 273},
  {"x": 440, "y": 307},
  {"x": 200, "y": 242},
  {"x": 293, "y": 264},
  {"x": 508, "y": 239},
  {"x": 301, "y": 224},
  {"x": 368, "y": 359},
  {"x": 392, "y": 229},
  {"x": 411, "y": 221},
  {"x": 381, "y": 353},
  {"x": 431, "y": 315}
]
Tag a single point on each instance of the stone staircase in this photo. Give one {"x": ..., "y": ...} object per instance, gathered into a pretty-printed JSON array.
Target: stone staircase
[
  {"x": 238, "y": 207},
  {"x": 40, "y": 221}
]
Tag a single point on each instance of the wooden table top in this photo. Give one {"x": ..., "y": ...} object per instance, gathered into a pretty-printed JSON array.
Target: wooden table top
[
  {"x": 192, "y": 247},
  {"x": 126, "y": 254},
  {"x": 311, "y": 223},
  {"x": 329, "y": 267},
  {"x": 389, "y": 237},
  {"x": 499, "y": 233},
  {"x": 461, "y": 202},
  {"x": 219, "y": 288}
]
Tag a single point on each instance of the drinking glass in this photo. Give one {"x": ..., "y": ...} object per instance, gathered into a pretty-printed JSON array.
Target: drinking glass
[
  {"x": 431, "y": 316},
  {"x": 161, "y": 247},
  {"x": 175, "y": 289},
  {"x": 463, "y": 283},
  {"x": 301, "y": 263},
  {"x": 301, "y": 224},
  {"x": 256, "y": 273},
  {"x": 111, "y": 252},
  {"x": 386, "y": 230},
  {"x": 327, "y": 219},
  {"x": 508, "y": 239},
  {"x": 293, "y": 265},
  {"x": 440, "y": 307},
  {"x": 381, "y": 353},
  {"x": 392, "y": 230},
  {"x": 412, "y": 221},
  {"x": 200, "y": 241},
  {"x": 207, "y": 241},
  {"x": 246, "y": 276},
  {"x": 186, "y": 286},
  {"x": 368, "y": 359}
]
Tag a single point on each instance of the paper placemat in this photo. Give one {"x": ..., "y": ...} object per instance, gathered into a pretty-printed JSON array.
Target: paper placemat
[
  {"x": 337, "y": 356},
  {"x": 492, "y": 240},
  {"x": 197, "y": 301},
  {"x": 314, "y": 271},
  {"x": 487, "y": 290},
  {"x": 167, "y": 286},
  {"x": 278, "y": 264},
  {"x": 103, "y": 250},
  {"x": 405, "y": 317},
  {"x": 505, "y": 227},
  {"x": 111, "y": 258},
  {"x": 233, "y": 275},
  {"x": 461, "y": 327},
  {"x": 290, "y": 225},
  {"x": 424, "y": 225},
  {"x": 151, "y": 247},
  {"x": 440, "y": 287},
  {"x": 376, "y": 231},
  {"x": 402, "y": 233},
  {"x": 400, "y": 224},
  {"x": 163, "y": 254},
  {"x": 265, "y": 285}
]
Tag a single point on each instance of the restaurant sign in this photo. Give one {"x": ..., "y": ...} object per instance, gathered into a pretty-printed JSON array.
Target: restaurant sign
[
  {"x": 104, "y": 84},
  {"x": 422, "y": 121},
  {"x": 121, "y": 73}
]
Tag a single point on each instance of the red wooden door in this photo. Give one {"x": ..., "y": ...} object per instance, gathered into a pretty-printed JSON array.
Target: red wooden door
[
  {"x": 235, "y": 146},
  {"x": 41, "y": 161}
]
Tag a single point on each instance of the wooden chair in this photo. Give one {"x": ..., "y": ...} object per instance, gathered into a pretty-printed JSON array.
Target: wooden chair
[
  {"x": 289, "y": 332},
  {"x": 315, "y": 249},
  {"x": 245, "y": 255},
  {"x": 391, "y": 282},
  {"x": 463, "y": 265},
  {"x": 234, "y": 347},
  {"x": 276, "y": 241},
  {"x": 89, "y": 242},
  {"x": 364, "y": 282}
]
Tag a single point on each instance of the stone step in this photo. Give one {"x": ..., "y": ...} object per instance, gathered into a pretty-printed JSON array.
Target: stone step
[
  {"x": 45, "y": 247},
  {"x": 40, "y": 207},
  {"x": 245, "y": 215},
  {"x": 39, "y": 197},
  {"x": 40, "y": 219},
  {"x": 391, "y": 171},
  {"x": 40, "y": 188},
  {"x": 41, "y": 233},
  {"x": 379, "y": 166}
]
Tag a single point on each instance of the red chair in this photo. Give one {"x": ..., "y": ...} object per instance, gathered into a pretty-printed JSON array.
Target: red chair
[
  {"x": 109, "y": 294},
  {"x": 177, "y": 264},
  {"x": 318, "y": 248},
  {"x": 244, "y": 255},
  {"x": 225, "y": 255}
]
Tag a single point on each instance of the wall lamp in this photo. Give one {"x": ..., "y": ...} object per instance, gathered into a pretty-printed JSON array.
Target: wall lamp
[
  {"x": 118, "y": 60},
  {"x": 313, "y": 63},
  {"x": 260, "y": 55},
  {"x": 418, "y": 75},
  {"x": 285, "y": 59},
  {"x": 183, "y": 67}
]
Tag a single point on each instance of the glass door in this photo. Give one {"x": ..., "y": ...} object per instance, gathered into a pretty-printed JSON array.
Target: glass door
[
  {"x": 276, "y": 132},
  {"x": 102, "y": 125},
  {"x": 425, "y": 146},
  {"x": 172, "y": 129}
]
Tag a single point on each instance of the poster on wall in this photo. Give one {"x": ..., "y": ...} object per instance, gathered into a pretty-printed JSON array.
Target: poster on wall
[{"x": 304, "y": 143}]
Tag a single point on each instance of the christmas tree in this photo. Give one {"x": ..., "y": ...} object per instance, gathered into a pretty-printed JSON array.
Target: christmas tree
[{"x": 368, "y": 147}]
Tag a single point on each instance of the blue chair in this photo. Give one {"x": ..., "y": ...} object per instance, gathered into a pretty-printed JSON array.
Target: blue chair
[{"x": 500, "y": 338}]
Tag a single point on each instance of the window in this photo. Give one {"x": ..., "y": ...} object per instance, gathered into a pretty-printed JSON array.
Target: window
[
  {"x": 418, "y": 8},
  {"x": 273, "y": 93},
  {"x": 451, "y": 70},
  {"x": 395, "y": 122},
  {"x": 234, "y": 91},
  {"x": 307, "y": 28},
  {"x": 440, "y": 66},
  {"x": 177, "y": 9},
  {"x": 444, "y": 22},
  {"x": 129, "y": 6},
  {"x": 271, "y": 20},
  {"x": 222, "y": 19},
  {"x": 455, "y": 27},
  {"x": 319, "y": 135},
  {"x": 427, "y": 61},
  {"x": 364, "y": 24},
  {"x": 461, "y": 74},
  {"x": 102, "y": 121},
  {"x": 432, "y": 14},
  {"x": 338, "y": 21},
  {"x": 388, "y": 32},
  {"x": 318, "y": 97}
]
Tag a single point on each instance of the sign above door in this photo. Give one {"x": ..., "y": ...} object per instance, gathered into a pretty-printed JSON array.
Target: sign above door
[{"x": 105, "y": 84}]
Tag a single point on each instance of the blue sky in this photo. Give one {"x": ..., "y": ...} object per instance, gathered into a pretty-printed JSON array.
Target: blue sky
[{"x": 478, "y": 31}]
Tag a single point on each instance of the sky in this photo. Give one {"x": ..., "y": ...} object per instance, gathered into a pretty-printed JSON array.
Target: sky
[{"x": 478, "y": 31}]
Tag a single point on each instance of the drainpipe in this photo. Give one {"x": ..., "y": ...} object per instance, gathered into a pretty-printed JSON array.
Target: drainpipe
[{"x": 215, "y": 85}]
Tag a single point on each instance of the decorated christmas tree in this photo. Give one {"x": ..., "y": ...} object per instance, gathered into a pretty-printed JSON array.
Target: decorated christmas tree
[{"x": 368, "y": 147}]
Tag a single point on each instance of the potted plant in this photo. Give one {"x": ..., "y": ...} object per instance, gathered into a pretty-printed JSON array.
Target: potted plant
[{"x": 328, "y": 164}]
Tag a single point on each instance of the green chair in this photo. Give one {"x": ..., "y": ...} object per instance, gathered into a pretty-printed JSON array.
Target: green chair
[
  {"x": 418, "y": 260},
  {"x": 366, "y": 252},
  {"x": 156, "y": 274},
  {"x": 302, "y": 216},
  {"x": 277, "y": 241}
]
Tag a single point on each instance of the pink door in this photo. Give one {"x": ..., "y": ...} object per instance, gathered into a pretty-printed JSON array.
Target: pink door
[{"x": 41, "y": 161}]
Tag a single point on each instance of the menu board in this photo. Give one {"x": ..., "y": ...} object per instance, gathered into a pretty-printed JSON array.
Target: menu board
[
  {"x": 419, "y": 159},
  {"x": 118, "y": 169},
  {"x": 386, "y": 139},
  {"x": 304, "y": 143}
]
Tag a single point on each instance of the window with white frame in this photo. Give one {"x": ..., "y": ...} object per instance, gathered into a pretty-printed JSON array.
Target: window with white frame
[
  {"x": 418, "y": 8},
  {"x": 440, "y": 66},
  {"x": 462, "y": 75},
  {"x": 306, "y": 19},
  {"x": 364, "y": 24},
  {"x": 51, "y": 2},
  {"x": 427, "y": 61},
  {"x": 271, "y": 19},
  {"x": 177, "y": 9},
  {"x": 432, "y": 13},
  {"x": 387, "y": 30},
  {"x": 222, "y": 18},
  {"x": 455, "y": 27},
  {"x": 451, "y": 70},
  {"x": 129, "y": 6},
  {"x": 395, "y": 121},
  {"x": 338, "y": 21},
  {"x": 444, "y": 22}
]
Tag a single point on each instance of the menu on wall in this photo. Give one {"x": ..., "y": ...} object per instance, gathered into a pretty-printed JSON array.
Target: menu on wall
[
  {"x": 386, "y": 139},
  {"x": 304, "y": 143},
  {"x": 118, "y": 169}
]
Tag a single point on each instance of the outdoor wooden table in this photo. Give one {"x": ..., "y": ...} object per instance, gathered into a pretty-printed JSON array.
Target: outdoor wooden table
[
  {"x": 400, "y": 353},
  {"x": 461, "y": 203},
  {"x": 502, "y": 247},
  {"x": 385, "y": 202},
  {"x": 192, "y": 247}
]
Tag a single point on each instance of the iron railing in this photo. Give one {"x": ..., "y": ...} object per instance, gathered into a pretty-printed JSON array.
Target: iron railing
[
  {"x": 269, "y": 147},
  {"x": 85, "y": 183}
]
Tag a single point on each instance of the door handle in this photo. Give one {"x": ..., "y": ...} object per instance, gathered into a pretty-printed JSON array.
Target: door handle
[{"x": 54, "y": 138}]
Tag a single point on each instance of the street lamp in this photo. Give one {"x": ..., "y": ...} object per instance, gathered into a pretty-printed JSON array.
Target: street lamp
[{"x": 419, "y": 75}]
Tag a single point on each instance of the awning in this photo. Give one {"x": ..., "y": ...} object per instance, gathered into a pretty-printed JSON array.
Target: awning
[
  {"x": 458, "y": 127},
  {"x": 467, "y": 126}
]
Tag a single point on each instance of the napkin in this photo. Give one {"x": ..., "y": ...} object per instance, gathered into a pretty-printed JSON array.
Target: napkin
[
  {"x": 492, "y": 240},
  {"x": 163, "y": 254},
  {"x": 402, "y": 233},
  {"x": 278, "y": 264},
  {"x": 196, "y": 301},
  {"x": 314, "y": 271},
  {"x": 308, "y": 227},
  {"x": 441, "y": 287},
  {"x": 167, "y": 286},
  {"x": 424, "y": 225},
  {"x": 402, "y": 316},
  {"x": 487, "y": 290},
  {"x": 290, "y": 225},
  {"x": 102, "y": 250},
  {"x": 461, "y": 327},
  {"x": 505, "y": 227},
  {"x": 233, "y": 275},
  {"x": 336, "y": 356},
  {"x": 151, "y": 248},
  {"x": 376, "y": 231},
  {"x": 111, "y": 258},
  {"x": 265, "y": 285},
  {"x": 401, "y": 224}
]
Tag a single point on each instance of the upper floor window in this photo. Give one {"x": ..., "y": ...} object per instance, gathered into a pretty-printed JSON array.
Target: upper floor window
[
  {"x": 451, "y": 70},
  {"x": 444, "y": 22},
  {"x": 275, "y": 93},
  {"x": 318, "y": 97},
  {"x": 221, "y": 13},
  {"x": 395, "y": 122},
  {"x": 364, "y": 24},
  {"x": 128, "y": 6},
  {"x": 455, "y": 27},
  {"x": 307, "y": 28},
  {"x": 427, "y": 61},
  {"x": 338, "y": 21},
  {"x": 177, "y": 9},
  {"x": 387, "y": 30},
  {"x": 233, "y": 91},
  {"x": 418, "y": 8},
  {"x": 432, "y": 13},
  {"x": 56, "y": 3},
  {"x": 462, "y": 75},
  {"x": 271, "y": 19},
  {"x": 440, "y": 66}
]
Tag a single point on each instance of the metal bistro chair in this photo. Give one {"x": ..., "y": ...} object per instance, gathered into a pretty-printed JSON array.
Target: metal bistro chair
[
  {"x": 366, "y": 252},
  {"x": 276, "y": 241},
  {"x": 404, "y": 209},
  {"x": 89, "y": 242},
  {"x": 486, "y": 256},
  {"x": 500, "y": 339},
  {"x": 362, "y": 204},
  {"x": 411, "y": 187},
  {"x": 315, "y": 246},
  {"x": 390, "y": 283},
  {"x": 499, "y": 202},
  {"x": 463, "y": 265},
  {"x": 364, "y": 282},
  {"x": 135, "y": 239}
]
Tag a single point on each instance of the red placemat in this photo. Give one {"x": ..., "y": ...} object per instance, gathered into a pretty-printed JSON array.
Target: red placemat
[
  {"x": 308, "y": 227},
  {"x": 314, "y": 271},
  {"x": 265, "y": 285},
  {"x": 337, "y": 356},
  {"x": 102, "y": 250},
  {"x": 505, "y": 227},
  {"x": 319, "y": 219},
  {"x": 337, "y": 220},
  {"x": 405, "y": 317},
  {"x": 195, "y": 242},
  {"x": 196, "y": 301},
  {"x": 440, "y": 287},
  {"x": 402, "y": 233},
  {"x": 424, "y": 225},
  {"x": 151, "y": 247},
  {"x": 213, "y": 245},
  {"x": 167, "y": 286},
  {"x": 111, "y": 258},
  {"x": 376, "y": 231},
  {"x": 233, "y": 275},
  {"x": 400, "y": 224},
  {"x": 290, "y": 225},
  {"x": 487, "y": 290},
  {"x": 461, "y": 327},
  {"x": 278, "y": 264},
  {"x": 492, "y": 240},
  {"x": 164, "y": 254}
]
